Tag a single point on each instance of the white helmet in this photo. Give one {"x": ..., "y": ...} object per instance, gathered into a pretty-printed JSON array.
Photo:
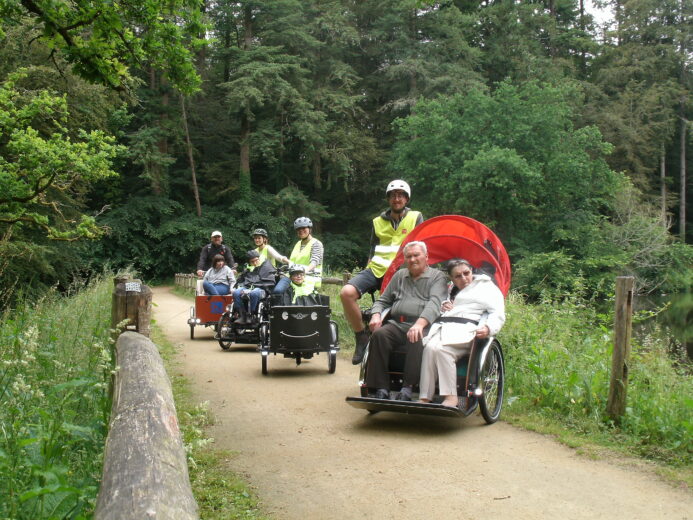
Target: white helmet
[{"x": 398, "y": 184}]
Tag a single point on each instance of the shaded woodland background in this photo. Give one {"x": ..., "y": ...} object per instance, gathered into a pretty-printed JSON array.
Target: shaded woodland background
[{"x": 130, "y": 132}]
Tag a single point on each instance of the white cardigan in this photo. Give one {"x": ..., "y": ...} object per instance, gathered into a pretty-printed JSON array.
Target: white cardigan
[{"x": 480, "y": 301}]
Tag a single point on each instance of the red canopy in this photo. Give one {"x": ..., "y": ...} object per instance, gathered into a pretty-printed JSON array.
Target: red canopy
[{"x": 455, "y": 236}]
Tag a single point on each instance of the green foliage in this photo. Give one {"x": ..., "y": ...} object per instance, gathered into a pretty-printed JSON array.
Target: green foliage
[
  {"x": 165, "y": 238},
  {"x": 55, "y": 367},
  {"x": 102, "y": 40},
  {"x": 558, "y": 358},
  {"x": 512, "y": 159},
  {"x": 40, "y": 165}
]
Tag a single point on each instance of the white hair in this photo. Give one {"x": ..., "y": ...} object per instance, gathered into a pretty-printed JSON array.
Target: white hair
[{"x": 417, "y": 243}]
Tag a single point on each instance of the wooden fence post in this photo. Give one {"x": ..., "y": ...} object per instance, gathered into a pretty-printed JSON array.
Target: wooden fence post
[
  {"x": 131, "y": 300},
  {"x": 616, "y": 403}
]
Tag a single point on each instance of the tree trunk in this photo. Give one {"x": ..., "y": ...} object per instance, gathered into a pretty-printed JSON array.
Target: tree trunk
[
  {"x": 317, "y": 174},
  {"x": 244, "y": 170},
  {"x": 191, "y": 158},
  {"x": 663, "y": 185},
  {"x": 682, "y": 200}
]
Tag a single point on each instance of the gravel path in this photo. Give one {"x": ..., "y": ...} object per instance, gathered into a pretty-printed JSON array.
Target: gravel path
[{"x": 312, "y": 456}]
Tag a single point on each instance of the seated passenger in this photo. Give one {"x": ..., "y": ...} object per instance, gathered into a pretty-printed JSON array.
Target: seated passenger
[
  {"x": 255, "y": 282},
  {"x": 477, "y": 311},
  {"x": 218, "y": 279},
  {"x": 414, "y": 295},
  {"x": 298, "y": 287}
]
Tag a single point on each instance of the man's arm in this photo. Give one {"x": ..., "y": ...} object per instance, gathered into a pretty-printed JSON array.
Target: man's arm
[
  {"x": 228, "y": 256},
  {"x": 387, "y": 297},
  {"x": 438, "y": 292},
  {"x": 201, "y": 262}
]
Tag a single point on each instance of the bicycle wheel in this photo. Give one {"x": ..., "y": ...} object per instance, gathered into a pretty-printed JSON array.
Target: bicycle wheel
[
  {"x": 225, "y": 330},
  {"x": 491, "y": 382}
]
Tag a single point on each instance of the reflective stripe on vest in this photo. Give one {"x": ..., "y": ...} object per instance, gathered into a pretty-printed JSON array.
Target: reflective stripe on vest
[
  {"x": 302, "y": 256},
  {"x": 389, "y": 241}
]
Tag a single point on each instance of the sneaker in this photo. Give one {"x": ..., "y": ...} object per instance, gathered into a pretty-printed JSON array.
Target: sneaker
[
  {"x": 404, "y": 394},
  {"x": 362, "y": 339},
  {"x": 382, "y": 393}
]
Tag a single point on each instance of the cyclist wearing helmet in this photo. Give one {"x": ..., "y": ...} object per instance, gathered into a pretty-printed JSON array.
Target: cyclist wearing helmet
[
  {"x": 215, "y": 247},
  {"x": 307, "y": 252},
  {"x": 389, "y": 230},
  {"x": 265, "y": 250},
  {"x": 298, "y": 287}
]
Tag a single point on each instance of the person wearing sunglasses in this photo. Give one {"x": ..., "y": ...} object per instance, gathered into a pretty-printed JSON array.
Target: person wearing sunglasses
[{"x": 475, "y": 310}]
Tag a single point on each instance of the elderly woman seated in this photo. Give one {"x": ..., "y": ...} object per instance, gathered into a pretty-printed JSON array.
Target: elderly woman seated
[{"x": 475, "y": 310}]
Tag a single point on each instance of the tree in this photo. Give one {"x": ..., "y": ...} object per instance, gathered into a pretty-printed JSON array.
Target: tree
[
  {"x": 103, "y": 39},
  {"x": 511, "y": 159},
  {"x": 42, "y": 170}
]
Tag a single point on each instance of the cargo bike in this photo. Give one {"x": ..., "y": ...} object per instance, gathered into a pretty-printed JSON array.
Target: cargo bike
[
  {"x": 297, "y": 330},
  {"x": 481, "y": 374}
]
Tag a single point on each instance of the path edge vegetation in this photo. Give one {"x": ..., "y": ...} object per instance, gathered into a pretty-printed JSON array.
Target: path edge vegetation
[
  {"x": 220, "y": 493},
  {"x": 582, "y": 427}
]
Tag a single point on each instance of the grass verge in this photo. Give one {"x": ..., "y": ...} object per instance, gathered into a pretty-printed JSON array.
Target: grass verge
[
  {"x": 558, "y": 360},
  {"x": 220, "y": 493},
  {"x": 55, "y": 370}
]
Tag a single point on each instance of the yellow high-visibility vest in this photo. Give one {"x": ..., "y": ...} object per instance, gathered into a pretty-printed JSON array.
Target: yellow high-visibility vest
[
  {"x": 304, "y": 289},
  {"x": 389, "y": 240},
  {"x": 302, "y": 257},
  {"x": 264, "y": 256}
]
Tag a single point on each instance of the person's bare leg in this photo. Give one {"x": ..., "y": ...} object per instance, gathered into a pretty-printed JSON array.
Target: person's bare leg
[
  {"x": 350, "y": 301},
  {"x": 450, "y": 400}
]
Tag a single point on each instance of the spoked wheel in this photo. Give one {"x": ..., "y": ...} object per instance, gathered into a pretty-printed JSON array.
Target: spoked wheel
[
  {"x": 224, "y": 328},
  {"x": 264, "y": 363},
  {"x": 491, "y": 382},
  {"x": 192, "y": 331}
]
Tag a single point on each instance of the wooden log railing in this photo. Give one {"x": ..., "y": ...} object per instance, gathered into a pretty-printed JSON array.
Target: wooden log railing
[{"x": 145, "y": 472}]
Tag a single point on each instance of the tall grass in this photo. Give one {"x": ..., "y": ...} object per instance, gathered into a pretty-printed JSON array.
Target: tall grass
[
  {"x": 55, "y": 367},
  {"x": 558, "y": 358}
]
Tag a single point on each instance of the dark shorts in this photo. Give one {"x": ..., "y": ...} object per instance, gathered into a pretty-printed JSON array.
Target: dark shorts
[{"x": 365, "y": 282}]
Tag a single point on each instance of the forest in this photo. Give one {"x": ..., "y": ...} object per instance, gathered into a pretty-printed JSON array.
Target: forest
[{"x": 131, "y": 130}]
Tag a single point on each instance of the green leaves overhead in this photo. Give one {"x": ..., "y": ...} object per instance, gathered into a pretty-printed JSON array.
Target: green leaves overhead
[{"x": 103, "y": 39}]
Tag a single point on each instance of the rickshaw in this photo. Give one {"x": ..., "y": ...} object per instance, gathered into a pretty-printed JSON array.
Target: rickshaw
[
  {"x": 207, "y": 309},
  {"x": 481, "y": 375}
]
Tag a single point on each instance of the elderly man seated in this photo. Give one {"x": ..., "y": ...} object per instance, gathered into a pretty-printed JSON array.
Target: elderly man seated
[{"x": 415, "y": 295}]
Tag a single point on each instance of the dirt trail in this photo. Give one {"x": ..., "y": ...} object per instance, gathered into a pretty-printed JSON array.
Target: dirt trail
[{"x": 311, "y": 456}]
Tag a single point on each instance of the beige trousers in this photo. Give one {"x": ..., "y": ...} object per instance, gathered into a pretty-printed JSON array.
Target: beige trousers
[{"x": 439, "y": 362}]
